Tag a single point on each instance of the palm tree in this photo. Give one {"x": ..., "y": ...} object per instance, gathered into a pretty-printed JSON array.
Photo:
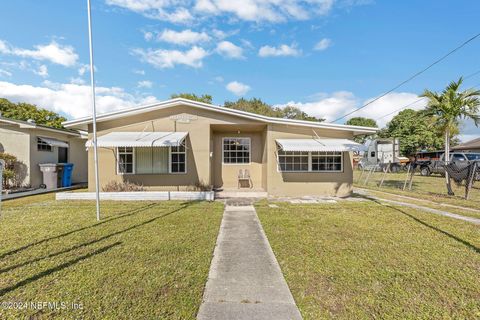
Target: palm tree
[{"x": 448, "y": 107}]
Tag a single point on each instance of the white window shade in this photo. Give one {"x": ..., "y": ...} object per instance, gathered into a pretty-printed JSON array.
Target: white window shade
[
  {"x": 320, "y": 145},
  {"x": 140, "y": 139},
  {"x": 53, "y": 142}
]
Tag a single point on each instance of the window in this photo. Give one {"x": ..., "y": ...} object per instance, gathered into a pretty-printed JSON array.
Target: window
[
  {"x": 472, "y": 156},
  {"x": 458, "y": 157},
  {"x": 178, "y": 159},
  {"x": 293, "y": 161},
  {"x": 290, "y": 161},
  {"x": 151, "y": 160},
  {"x": 125, "y": 160},
  {"x": 236, "y": 150},
  {"x": 327, "y": 161},
  {"x": 43, "y": 146}
]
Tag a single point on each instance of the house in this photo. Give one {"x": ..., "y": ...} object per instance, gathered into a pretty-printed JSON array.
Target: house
[
  {"x": 34, "y": 144},
  {"x": 179, "y": 144},
  {"x": 469, "y": 146}
]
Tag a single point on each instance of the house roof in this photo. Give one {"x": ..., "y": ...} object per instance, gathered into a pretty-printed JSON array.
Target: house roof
[
  {"x": 32, "y": 125},
  {"x": 82, "y": 123},
  {"x": 472, "y": 144}
]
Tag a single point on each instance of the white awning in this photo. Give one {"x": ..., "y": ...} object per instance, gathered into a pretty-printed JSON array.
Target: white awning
[
  {"x": 309, "y": 145},
  {"x": 140, "y": 139},
  {"x": 54, "y": 142}
]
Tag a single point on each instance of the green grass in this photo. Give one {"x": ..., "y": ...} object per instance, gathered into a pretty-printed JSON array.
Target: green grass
[
  {"x": 431, "y": 188},
  {"x": 363, "y": 260},
  {"x": 440, "y": 205},
  {"x": 144, "y": 260}
]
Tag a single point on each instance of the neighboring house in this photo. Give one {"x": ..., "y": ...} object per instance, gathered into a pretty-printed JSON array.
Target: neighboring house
[
  {"x": 34, "y": 144},
  {"x": 469, "y": 146},
  {"x": 178, "y": 144}
]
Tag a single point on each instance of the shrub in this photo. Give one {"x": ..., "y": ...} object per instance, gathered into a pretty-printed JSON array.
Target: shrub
[
  {"x": 125, "y": 186},
  {"x": 9, "y": 170}
]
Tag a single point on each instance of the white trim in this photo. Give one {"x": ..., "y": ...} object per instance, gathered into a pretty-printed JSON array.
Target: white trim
[
  {"x": 118, "y": 162},
  {"x": 205, "y": 106},
  {"x": 170, "y": 161},
  {"x": 249, "y": 152},
  {"x": 28, "y": 125}
]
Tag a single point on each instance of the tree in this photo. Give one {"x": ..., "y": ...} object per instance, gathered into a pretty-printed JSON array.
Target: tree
[
  {"x": 257, "y": 106},
  {"x": 254, "y": 105},
  {"x": 414, "y": 129},
  {"x": 362, "y": 122},
  {"x": 448, "y": 107},
  {"x": 205, "y": 98},
  {"x": 26, "y": 111},
  {"x": 291, "y": 112}
]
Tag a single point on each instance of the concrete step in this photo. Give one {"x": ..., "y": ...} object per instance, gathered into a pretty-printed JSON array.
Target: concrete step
[{"x": 240, "y": 194}]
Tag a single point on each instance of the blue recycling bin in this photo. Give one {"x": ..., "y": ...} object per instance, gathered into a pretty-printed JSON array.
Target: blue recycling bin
[{"x": 67, "y": 175}]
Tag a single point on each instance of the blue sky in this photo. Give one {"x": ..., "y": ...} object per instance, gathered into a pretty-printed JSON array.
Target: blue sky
[{"x": 324, "y": 56}]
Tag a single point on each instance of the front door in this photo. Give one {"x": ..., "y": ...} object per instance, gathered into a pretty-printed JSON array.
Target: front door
[{"x": 62, "y": 155}]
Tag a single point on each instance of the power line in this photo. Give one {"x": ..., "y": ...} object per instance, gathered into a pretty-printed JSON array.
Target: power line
[
  {"x": 412, "y": 103},
  {"x": 412, "y": 77}
]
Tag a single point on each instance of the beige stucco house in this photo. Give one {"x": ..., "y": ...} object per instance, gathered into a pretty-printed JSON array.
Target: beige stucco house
[
  {"x": 178, "y": 144},
  {"x": 34, "y": 144}
]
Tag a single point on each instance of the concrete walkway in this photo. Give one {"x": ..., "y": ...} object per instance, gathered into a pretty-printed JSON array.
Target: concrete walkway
[{"x": 245, "y": 280}]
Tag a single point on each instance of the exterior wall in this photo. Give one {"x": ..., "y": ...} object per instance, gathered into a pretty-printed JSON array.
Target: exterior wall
[
  {"x": 16, "y": 141},
  {"x": 199, "y": 143},
  {"x": 76, "y": 155},
  {"x": 23, "y": 144},
  {"x": 306, "y": 183},
  {"x": 205, "y": 138},
  {"x": 226, "y": 175}
]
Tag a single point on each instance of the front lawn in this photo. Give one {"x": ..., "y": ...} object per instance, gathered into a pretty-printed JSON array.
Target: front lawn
[
  {"x": 432, "y": 188},
  {"x": 363, "y": 260},
  {"x": 144, "y": 260}
]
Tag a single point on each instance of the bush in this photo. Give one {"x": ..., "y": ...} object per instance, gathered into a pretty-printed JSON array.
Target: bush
[
  {"x": 9, "y": 170},
  {"x": 126, "y": 186}
]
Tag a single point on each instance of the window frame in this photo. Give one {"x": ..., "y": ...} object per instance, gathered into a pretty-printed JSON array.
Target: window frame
[
  {"x": 170, "y": 159},
  {"x": 309, "y": 170},
  {"x": 42, "y": 143},
  {"x": 309, "y": 161},
  {"x": 241, "y": 163},
  {"x": 134, "y": 163},
  {"x": 118, "y": 161}
]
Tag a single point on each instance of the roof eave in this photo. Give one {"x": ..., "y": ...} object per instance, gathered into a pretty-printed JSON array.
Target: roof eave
[{"x": 82, "y": 123}]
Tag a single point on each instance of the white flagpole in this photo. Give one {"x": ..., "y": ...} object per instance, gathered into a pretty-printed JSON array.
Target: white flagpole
[{"x": 94, "y": 111}]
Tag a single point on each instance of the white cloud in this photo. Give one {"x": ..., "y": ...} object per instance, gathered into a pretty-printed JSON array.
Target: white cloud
[
  {"x": 74, "y": 100},
  {"x": 185, "y": 37},
  {"x": 144, "y": 84},
  {"x": 5, "y": 73},
  {"x": 282, "y": 50},
  {"x": 169, "y": 58},
  {"x": 186, "y": 11},
  {"x": 53, "y": 52},
  {"x": 77, "y": 80},
  {"x": 218, "y": 79},
  {"x": 83, "y": 68},
  {"x": 265, "y": 10},
  {"x": 166, "y": 10},
  {"x": 337, "y": 104},
  {"x": 42, "y": 71},
  {"x": 238, "y": 88},
  {"x": 140, "y": 72},
  {"x": 229, "y": 50},
  {"x": 323, "y": 44},
  {"x": 148, "y": 35}
]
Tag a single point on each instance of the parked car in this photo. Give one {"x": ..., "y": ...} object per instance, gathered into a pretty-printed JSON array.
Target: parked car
[{"x": 433, "y": 162}]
